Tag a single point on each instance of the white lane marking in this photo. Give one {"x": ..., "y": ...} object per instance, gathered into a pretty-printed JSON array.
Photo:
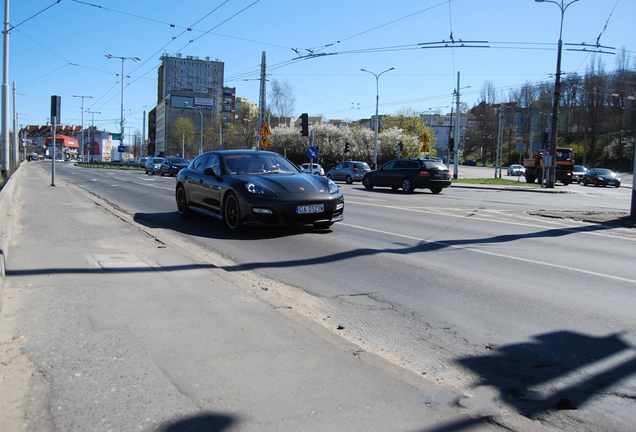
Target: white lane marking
[
  {"x": 448, "y": 245},
  {"x": 582, "y": 229}
]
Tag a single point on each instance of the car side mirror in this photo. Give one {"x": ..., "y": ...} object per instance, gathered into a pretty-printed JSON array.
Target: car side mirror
[{"x": 210, "y": 171}]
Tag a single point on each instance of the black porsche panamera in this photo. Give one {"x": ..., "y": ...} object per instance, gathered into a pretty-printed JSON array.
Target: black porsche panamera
[{"x": 254, "y": 187}]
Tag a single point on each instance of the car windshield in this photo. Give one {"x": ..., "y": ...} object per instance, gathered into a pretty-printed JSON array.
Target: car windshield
[
  {"x": 257, "y": 164},
  {"x": 178, "y": 161},
  {"x": 602, "y": 171},
  {"x": 579, "y": 168},
  {"x": 157, "y": 160}
]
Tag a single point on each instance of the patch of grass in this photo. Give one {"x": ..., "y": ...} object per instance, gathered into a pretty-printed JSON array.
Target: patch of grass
[{"x": 497, "y": 182}]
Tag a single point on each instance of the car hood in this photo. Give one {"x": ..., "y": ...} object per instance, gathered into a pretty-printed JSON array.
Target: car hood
[
  {"x": 608, "y": 176},
  {"x": 290, "y": 183}
]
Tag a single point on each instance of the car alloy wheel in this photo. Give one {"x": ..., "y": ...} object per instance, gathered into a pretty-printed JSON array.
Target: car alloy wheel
[
  {"x": 367, "y": 182},
  {"x": 407, "y": 185},
  {"x": 182, "y": 202},
  {"x": 232, "y": 212},
  {"x": 349, "y": 180}
]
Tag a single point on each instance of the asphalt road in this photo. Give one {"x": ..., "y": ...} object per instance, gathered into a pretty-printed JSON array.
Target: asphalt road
[{"x": 471, "y": 287}]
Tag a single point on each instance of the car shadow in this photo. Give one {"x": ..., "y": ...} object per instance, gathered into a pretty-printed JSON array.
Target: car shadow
[
  {"x": 208, "y": 227},
  {"x": 207, "y": 422}
]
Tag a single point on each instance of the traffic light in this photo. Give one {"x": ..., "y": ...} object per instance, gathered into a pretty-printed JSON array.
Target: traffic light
[
  {"x": 545, "y": 143},
  {"x": 304, "y": 125},
  {"x": 451, "y": 144},
  {"x": 346, "y": 148}
]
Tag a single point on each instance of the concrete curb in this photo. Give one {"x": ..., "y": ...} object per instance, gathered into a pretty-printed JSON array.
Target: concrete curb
[{"x": 7, "y": 208}]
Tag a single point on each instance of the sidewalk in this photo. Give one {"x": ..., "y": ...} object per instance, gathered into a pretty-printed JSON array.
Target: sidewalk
[{"x": 104, "y": 327}]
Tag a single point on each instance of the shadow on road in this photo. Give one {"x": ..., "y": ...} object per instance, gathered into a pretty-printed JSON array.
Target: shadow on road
[
  {"x": 547, "y": 373},
  {"x": 199, "y": 423}
]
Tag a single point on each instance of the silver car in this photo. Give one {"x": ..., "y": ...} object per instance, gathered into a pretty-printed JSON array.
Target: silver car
[
  {"x": 578, "y": 172},
  {"x": 516, "y": 170},
  {"x": 153, "y": 165},
  {"x": 349, "y": 171},
  {"x": 317, "y": 169}
]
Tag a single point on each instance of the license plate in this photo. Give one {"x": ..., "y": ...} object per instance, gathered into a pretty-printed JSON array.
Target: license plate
[
  {"x": 310, "y": 209},
  {"x": 438, "y": 176}
]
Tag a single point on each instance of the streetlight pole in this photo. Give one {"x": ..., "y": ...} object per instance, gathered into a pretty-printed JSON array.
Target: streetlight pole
[
  {"x": 123, "y": 59},
  {"x": 377, "y": 120},
  {"x": 83, "y": 139},
  {"x": 557, "y": 94}
]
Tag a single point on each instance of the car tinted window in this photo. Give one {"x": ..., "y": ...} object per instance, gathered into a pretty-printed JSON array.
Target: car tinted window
[
  {"x": 200, "y": 162},
  {"x": 603, "y": 172},
  {"x": 157, "y": 160},
  {"x": 388, "y": 165},
  {"x": 178, "y": 161},
  {"x": 338, "y": 166},
  {"x": 361, "y": 165},
  {"x": 412, "y": 164},
  {"x": 346, "y": 165},
  {"x": 399, "y": 164}
]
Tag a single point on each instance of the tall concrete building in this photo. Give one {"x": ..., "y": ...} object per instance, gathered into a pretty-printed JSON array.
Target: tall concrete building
[{"x": 187, "y": 87}]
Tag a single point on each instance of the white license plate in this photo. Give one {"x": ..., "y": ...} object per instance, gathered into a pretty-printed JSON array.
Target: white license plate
[{"x": 310, "y": 209}]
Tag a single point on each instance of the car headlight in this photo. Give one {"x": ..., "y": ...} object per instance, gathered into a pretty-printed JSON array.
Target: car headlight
[
  {"x": 257, "y": 189},
  {"x": 333, "y": 187}
]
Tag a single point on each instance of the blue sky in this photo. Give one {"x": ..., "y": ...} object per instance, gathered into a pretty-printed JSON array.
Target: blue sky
[{"x": 59, "y": 49}]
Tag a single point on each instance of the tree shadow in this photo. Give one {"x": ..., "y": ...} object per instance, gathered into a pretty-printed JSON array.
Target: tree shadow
[{"x": 547, "y": 374}]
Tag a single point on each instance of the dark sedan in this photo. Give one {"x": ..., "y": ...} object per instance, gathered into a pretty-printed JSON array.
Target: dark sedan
[
  {"x": 253, "y": 187},
  {"x": 410, "y": 174},
  {"x": 172, "y": 165},
  {"x": 601, "y": 177}
]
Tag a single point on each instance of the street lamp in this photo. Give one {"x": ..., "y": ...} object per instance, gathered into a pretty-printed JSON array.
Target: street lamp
[
  {"x": 377, "y": 120},
  {"x": 83, "y": 139},
  {"x": 201, "y": 114},
  {"x": 123, "y": 59},
  {"x": 557, "y": 94}
]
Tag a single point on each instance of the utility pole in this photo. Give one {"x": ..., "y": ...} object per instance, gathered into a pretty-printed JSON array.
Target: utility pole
[
  {"x": 261, "y": 98},
  {"x": 4, "y": 165},
  {"x": 123, "y": 59},
  {"x": 83, "y": 139},
  {"x": 500, "y": 142},
  {"x": 457, "y": 134}
]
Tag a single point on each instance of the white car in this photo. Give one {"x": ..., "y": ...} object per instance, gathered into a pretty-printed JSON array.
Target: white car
[
  {"x": 516, "y": 170},
  {"x": 317, "y": 169}
]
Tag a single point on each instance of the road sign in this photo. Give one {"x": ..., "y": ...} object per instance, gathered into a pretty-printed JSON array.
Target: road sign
[
  {"x": 144, "y": 147},
  {"x": 265, "y": 142},
  {"x": 425, "y": 139},
  {"x": 521, "y": 148},
  {"x": 312, "y": 152},
  {"x": 121, "y": 149},
  {"x": 424, "y": 148},
  {"x": 265, "y": 130},
  {"x": 220, "y": 147}
]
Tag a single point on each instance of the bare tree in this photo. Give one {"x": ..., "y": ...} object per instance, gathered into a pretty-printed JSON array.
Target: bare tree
[{"x": 281, "y": 99}]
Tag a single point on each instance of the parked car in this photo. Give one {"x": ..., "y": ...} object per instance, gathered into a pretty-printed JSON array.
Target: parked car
[
  {"x": 516, "y": 170},
  {"x": 317, "y": 169},
  {"x": 410, "y": 174},
  {"x": 578, "y": 172},
  {"x": 601, "y": 177},
  {"x": 153, "y": 164},
  {"x": 470, "y": 162},
  {"x": 172, "y": 165},
  {"x": 142, "y": 160},
  {"x": 349, "y": 171},
  {"x": 255, "y": 187}
]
